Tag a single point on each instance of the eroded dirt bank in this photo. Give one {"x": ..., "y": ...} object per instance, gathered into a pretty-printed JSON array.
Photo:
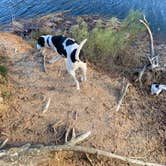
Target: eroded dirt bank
[{"x": 138, "y": 129}]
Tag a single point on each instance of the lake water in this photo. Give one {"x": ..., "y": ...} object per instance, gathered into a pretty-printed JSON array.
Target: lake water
[{"x": 155, "y": 10}]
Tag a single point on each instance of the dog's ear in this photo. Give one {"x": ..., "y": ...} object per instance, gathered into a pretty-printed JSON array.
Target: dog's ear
[{"x": 41, "y": 41}]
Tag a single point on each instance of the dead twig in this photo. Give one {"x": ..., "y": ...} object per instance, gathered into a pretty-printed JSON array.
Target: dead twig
[
  {"x": 88, "y": 158},
  {"x": 124, "y": 91},
  {"x": 45, "y": 108},
  {"x": 67, "y": 134},
  {"x": 4, "y": 143},
  {"x": 77, "y": 139},
  {"x": 140, "y": 76},
  {"x": 71, "y": 127}
]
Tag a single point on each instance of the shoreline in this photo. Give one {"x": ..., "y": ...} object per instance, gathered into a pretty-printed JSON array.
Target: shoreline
[{"x": 159, "y": 37}]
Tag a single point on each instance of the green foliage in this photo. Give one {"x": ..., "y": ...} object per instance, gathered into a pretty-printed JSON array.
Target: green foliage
[
  {"x": 80, "y": 30},
  {"x": 131, "y": 24},
  {"x": 6, "y": 94},
  {"x": 107, "y": 41},
  {"x": 3, "y": 61},
  {"x": 3, "y": 70}
]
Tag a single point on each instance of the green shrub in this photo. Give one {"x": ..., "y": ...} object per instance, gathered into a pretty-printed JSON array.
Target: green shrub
[
  {"x": 132, "y": 25},
  {"x": 107, "y": 41},
  {"x": 6, "y": 94},
  {"x": 80, "y": 30},
  {"x": 3, "y": 61},
  {"x": 3, "y": 70}
]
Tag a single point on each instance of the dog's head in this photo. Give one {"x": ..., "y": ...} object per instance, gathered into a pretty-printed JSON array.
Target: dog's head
[{"x": 40, "y": 42}]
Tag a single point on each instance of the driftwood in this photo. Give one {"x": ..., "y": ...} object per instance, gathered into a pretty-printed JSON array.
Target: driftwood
[
  {"x": 153, "y": 58},
  {"x": 32, "y": 155}
]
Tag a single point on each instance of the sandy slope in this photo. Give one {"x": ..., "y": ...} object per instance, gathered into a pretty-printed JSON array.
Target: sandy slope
[{"x": 133, "y": 131}]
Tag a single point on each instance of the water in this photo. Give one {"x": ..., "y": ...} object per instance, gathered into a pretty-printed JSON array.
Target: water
[{"x": 155, "y": 10}]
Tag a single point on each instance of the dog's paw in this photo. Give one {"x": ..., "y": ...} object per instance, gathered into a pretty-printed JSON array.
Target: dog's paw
[
  {"x": 78, "y": 87},
  {"x": 83, "y": 79}
]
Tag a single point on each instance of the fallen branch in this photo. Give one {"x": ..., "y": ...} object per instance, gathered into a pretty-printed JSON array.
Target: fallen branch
[
  {"x": 26, "y": 153},
  {"x": 11, "y": 154},
  {"x": 124, "y": 91}
]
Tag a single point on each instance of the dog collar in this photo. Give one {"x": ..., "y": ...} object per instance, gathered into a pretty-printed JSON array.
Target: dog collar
[{"x": 48, "y": 41}]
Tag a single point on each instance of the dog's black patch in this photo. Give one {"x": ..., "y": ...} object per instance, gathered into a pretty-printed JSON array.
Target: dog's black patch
[
  {"x": 81, "y": 56},
  {"x": 58, "y": 43},
  {"x": 69, "y": 42},
  {"x": 73, "y": 59},
  {"x": 41, "y": 41}
]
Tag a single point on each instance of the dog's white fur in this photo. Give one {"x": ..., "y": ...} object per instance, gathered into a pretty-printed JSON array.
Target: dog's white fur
[{"x": 70, "y": 66}]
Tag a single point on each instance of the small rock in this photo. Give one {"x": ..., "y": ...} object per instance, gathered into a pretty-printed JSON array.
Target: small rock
[
  {"x": 1, "y": 99},
  {"x": 69, "y": 22},
  {"x": 56, "y": 19}
]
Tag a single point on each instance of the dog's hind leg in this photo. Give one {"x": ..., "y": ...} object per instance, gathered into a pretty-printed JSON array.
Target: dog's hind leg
[
  {"x": 84, "y": 70},
  {"x": 72, "y": 73}
]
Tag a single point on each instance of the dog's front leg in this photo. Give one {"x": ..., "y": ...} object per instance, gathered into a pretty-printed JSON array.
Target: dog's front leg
[{"x": 54, "y": 59}]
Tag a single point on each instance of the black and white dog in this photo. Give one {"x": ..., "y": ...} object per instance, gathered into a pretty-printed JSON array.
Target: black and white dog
[{"x": 69, "y": 49}]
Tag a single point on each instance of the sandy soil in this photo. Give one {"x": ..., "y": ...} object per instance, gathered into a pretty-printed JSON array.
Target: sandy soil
[{"x": 137, "y": 130}]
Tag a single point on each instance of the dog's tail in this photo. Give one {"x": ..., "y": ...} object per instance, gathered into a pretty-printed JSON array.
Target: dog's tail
[{"x": 79, "y": 49}]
